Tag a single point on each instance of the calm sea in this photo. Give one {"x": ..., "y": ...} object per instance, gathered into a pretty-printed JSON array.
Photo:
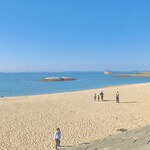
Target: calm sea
[{"x": 20, "y": 84}]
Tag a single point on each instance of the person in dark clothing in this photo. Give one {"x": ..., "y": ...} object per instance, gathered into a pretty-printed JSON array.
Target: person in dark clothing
[
  {"x": 57, "y": 137},
  {"x": 102, "y": 95},
  {"x": 98, "y": 98},
  {"x": 117, "y": 97},
  {"x": 95, "y": 96}
]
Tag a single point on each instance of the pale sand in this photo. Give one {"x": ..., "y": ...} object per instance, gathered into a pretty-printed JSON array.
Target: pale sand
[{"x": 29, "y": 122}]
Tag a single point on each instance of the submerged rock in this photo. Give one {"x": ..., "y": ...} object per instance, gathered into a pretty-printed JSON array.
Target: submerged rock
[{"x": 58, "y": 79}]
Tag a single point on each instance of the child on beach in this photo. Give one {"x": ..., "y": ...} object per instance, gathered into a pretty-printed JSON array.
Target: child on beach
[
  {"x": 95, "y": 97},
  {"x": 57, "y": 137},
  {"x": 98, "y": 98}
]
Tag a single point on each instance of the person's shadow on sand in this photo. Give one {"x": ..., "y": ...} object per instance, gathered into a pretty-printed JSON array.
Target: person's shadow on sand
[
  {"x": 64, "y": 147},
  {"x": 115, "y": 100},
  {"x": 127, "y": 102},
  {"x": 107, "y": 100}
]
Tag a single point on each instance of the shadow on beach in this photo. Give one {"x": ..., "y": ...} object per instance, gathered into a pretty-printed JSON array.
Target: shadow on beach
[
  {"x": 114, "y": 100},
  {"x": 127, "y": 102},
  {"x": 64, "y": 147},
  {"x": 84, "y": 143},
  {"x": 107, "y": 100}
]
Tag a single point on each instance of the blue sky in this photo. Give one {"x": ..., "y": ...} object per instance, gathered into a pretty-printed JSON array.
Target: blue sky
[{"x": 74, "y": 35}]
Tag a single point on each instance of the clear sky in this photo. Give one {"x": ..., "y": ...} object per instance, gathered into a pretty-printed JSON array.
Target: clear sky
[{"x": 74, "y": 35}]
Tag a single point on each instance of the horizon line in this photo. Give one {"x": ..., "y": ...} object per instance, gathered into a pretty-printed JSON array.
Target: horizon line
[{"x": 67, "y": 71}]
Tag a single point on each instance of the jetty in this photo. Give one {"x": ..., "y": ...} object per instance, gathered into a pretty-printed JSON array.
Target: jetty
[
  {"x": 142, "y": 74},
  {"x": 57, "y": 79}
]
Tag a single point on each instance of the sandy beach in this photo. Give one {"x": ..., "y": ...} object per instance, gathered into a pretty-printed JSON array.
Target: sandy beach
[{"x": 29, "y": 122}]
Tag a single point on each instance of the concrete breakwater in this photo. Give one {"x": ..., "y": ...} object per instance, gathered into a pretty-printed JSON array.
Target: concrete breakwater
[
  {"x": 144, "y": 74},
  {"x": 57, "y": 79},
  {"x": 137, "y": 139}
]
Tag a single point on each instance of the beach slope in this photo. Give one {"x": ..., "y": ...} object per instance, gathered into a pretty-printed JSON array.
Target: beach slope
[{"x": 29, "y": 122}]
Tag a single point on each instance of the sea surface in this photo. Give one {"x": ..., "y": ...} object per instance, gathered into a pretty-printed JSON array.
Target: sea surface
[{"x": 21, "y": 84}]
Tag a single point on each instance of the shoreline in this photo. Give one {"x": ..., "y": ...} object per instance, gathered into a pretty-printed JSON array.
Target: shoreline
[
  {"x": 74, "y": 91},
  {"x": 29, "y": 122}
]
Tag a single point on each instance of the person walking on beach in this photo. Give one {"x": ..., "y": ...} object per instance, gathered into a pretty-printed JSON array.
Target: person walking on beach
[
  {"x": 102, "y": 95},
  {"x": 98, "y": 98},
  {"x": 117, "y": 97},
  {"x": 95, "y": 97},
  {"x": 57, "y": 137}
]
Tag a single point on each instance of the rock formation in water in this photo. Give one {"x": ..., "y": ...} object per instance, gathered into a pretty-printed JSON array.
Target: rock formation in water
[{"x": 58, "y": 79}]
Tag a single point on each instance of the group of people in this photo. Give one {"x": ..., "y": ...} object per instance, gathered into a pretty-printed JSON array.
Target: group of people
[
  {"x": 102, "y": 96},
  {"x": 98, "y": 97},
  {"x": 57, "y": 135}
]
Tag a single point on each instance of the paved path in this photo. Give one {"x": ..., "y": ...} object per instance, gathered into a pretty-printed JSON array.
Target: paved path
[{"x": 138, "y": 139}]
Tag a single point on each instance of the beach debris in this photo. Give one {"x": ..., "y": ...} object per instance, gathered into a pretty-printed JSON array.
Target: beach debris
[{"x": 122, "y": 130}]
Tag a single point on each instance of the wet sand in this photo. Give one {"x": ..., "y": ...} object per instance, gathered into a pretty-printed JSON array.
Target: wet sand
[{"x": 29, "y": 122}]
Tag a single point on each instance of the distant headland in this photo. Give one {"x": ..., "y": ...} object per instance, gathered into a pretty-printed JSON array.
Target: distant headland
[{"x": 57, "y": 79}]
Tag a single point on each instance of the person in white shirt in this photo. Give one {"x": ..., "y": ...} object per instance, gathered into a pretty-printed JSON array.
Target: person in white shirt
[
  {"x": 98, "y": 98},
  {"x": 57, "y": 137}
]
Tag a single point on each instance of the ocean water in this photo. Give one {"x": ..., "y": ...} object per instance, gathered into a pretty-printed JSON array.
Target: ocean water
[{"x": 20, "y": 84}]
